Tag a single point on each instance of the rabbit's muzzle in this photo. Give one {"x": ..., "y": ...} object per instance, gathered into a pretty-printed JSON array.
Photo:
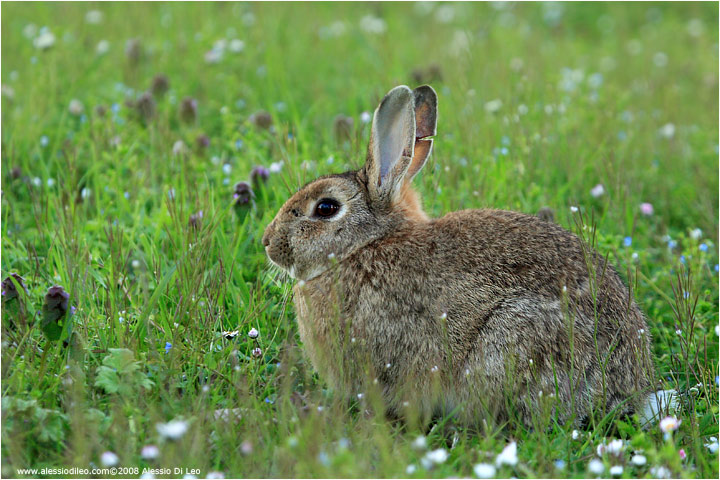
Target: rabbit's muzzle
[{"x": 277, "y": 248}]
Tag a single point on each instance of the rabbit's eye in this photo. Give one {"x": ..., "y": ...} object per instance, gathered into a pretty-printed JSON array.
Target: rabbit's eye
[{"x": 327, "y": 207}]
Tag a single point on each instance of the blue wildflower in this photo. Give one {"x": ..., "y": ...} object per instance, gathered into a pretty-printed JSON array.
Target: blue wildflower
[
  {"x": 44, "y": 140},
  {"x": 627, "y": 241},
  {"x": 717, "y": 268},
  {"x": 168, "y": 346},
  {"x": 238, "y": 144},
  {"x": 672, "y": 244},
  {"x": 703, "y": 247},
  {"x": 682, "y": 259}
]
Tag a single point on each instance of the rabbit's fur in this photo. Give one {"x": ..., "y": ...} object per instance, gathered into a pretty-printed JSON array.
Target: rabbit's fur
[{"x": 457, "y": 314}]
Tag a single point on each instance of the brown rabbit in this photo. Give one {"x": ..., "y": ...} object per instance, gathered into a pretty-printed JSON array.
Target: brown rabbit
[{"x": 453, "y": 315}]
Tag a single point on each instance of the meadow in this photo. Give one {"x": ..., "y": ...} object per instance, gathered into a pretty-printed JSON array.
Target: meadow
[{"x": 144, "y": 331}]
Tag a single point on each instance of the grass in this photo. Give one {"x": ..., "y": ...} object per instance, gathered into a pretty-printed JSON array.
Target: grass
[{"x": 539, "y": 103}]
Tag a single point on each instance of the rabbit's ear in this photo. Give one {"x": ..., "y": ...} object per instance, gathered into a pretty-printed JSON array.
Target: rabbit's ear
[
  {"x": 425, "y": 126},
  {"x": 392, "y": 140}
]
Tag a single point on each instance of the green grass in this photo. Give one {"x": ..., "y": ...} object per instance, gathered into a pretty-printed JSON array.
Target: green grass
[{"x": 585, "y": 93}]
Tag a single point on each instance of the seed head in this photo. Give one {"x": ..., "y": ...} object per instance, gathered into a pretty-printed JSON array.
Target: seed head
[
  {"x": 160, "y": 85},
  {"x": 243, "y": 194},
  {"x": 8, "y": 286},
  {"x": 188, "y": 110},
  {"x": 54, "y": 311},
  {"x": 145, "y": 107},
  {"x": 195, "y": 221},
  {"x": 202, "y": 142},
  {"x": 343, "y": 128},
  {"x": 133, "y": 51},
  {"x": 16, "y": 173},
  {"x": 259, "y": 175},
  {"x": 261, "y": 119}
]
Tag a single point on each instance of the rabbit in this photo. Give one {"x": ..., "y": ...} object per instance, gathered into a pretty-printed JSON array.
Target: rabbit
[{"x": 477, "y": 313}]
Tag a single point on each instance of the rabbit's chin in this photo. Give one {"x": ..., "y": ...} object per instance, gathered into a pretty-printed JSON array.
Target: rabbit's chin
[{"x": 292, "y": 272}]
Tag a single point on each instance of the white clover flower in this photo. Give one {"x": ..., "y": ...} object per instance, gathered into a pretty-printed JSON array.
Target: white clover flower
[
  {"x": 76, "y": 107},
  {"x": 109, "y": 459},
  {"x": 150, "y": 452},
  {"x": 102, "y": 47},
  {"x": 94, "y": 17},
  {"x": 410, "y": 469},
  {"x": 484, "y": 470},
  {"x": 420, "y": 442},
  {"x": 667, "y": 130},
  {"x": 660, "y": 472},
  {"x": 275, "y": 167},
  {"x": 712, "y": 445},
  {"x": 598, "y": 190},
  {"x": 596, "y": 466},
  {"x": 669, "y": 424},
  {"x": 179, "y": 148},
  {"x": 253, "y": 333},
  {"x": 616, "y": 470},
  {"x": 508, "y": 456},
  {"x": 45, "y": 40},
  {"x": 575, "y": 434},
  {"x": 236, "y": 46},
  {"x": 638, "y": 460},
  {"x": 373, "y": 24},
  {"x": 172, "y": 430},
  {"x": 437, "y": 456},
  {"x": 365, "y": 117},
  {"x": 615, "y": 447},
  {"x": 493, "y": 105}
]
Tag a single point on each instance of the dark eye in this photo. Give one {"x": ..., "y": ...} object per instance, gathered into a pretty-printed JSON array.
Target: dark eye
[{"x": 327, "y": 207}]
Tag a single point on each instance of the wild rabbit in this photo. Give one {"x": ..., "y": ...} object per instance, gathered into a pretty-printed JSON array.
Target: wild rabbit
[{"x": 452, "y": 315}]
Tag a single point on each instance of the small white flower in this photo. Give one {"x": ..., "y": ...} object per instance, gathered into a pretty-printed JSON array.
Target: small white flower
[
  {"x": 717, "y": 330},
  {"x": 45, "y": 40},
  {"x": 712, "y": 445},
  {"x": 94, "y": 17},
  {"x": 696, "y": 234},
  {"x": 102, "y": 47},
  {"x": 575, "y": 434},
  {"x": 660, "y": 472},
  {"x": 236, "y": 46},
  {"x": 253, "y": 333},
  {"x": 598, "y": 190},
  {"x": 434, "y": 369},
  {"x": 420, "y": 442},
  {"x": 147, "y": 475},
  {"x": 616, "y": 470},
  {"x": 172, "y": 430},
  {"x": 373, "y": 24},
  {"x": 331, "y": 256},
  {"x": 574, "y": 209},
  {"x": 638, "y": 460},
  {"x": 275, "y": 167},
  {"x": 615, "y": 447},
  {"x": 76, "y": 107},
  {"x": 109, "y": 459},
  {"x": 50, "y": 182},
  {"x": 410, "y": 469},
  {"x": 135, "y": 264},
  {"x": 493, "y": 105},
  {"x": 213, "y": 56},
  {"x": 484, "y": 470},
  {"x": 667, "y": 130},
  {"x": 669, "y": 424},
  {"x": 437, "y": 456},
  {"x": 215, "y": 475},
  {"x": 365, "y": 117},
  {"x": 150, "y": 452},
  {"x": 85, "y": 193},
  {"x": 360, "y": 396},
  {"x": 596, "y": 466},
  {"x": 508, "y": 456},
  {"x": 179, "y": 148}
]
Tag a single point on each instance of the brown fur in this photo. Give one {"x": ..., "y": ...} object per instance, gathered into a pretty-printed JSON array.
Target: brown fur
[{"x": 457, "y": 313}]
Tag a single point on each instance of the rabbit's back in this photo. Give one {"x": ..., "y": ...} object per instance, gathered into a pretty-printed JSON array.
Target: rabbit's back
[{"x": 471, "y": 305}]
